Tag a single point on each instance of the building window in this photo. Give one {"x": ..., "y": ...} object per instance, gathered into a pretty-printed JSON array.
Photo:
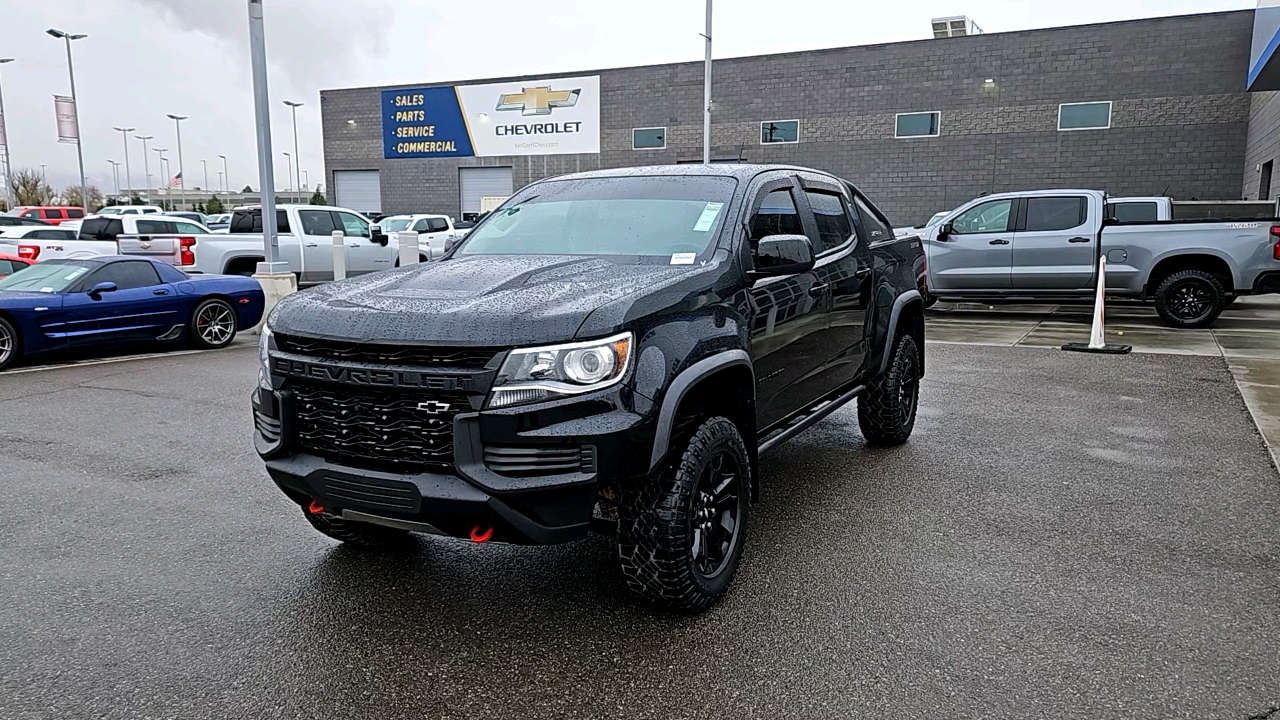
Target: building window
[
  {"x": 648, "y": 138},
  {"x": 779, "y": 131},
  {"x": 1084, "y": 116},
  {"x": 1264, "y": 182},
  {"x": 920, "y": 124}
]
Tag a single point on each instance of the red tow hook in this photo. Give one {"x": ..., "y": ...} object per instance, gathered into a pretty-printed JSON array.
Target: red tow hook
[
  {"x": 315, "y": 508},
  {"x": 481, "y": 535}
]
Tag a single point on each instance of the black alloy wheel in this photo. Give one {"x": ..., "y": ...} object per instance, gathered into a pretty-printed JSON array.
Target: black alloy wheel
[
  {"x": 716, "y": 514},
  {"x": 1190, "y": 299}
]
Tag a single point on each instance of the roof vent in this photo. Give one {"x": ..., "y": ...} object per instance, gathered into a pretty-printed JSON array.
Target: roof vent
[{"x": 957, "y": 26}]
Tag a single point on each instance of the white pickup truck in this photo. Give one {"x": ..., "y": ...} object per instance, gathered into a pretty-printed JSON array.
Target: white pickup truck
[
  {"x": 1160, "y": 209},
  {"x": 434, "y": 231},
  {"x": 36, "y": 243},
  {"x": 1044, "y": 246},
  {"x": 304, "y": 237}
]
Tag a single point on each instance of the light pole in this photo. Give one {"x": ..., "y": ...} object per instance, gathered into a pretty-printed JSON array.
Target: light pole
[
  {"x": 146, "y": 162},
  {"x": 262, "y": 120},
  {"x": 115, "y": 175},
  {"x": 289, "y": 159},
  {"x": 128, "y": 176},
  {"x": 182, "y": 181},
  {"x": 164, "y": 173},
  {"x": 226, "y": 176},
  {"x": 706, "y": 95},
  {"x": 75, "y": 107},
  {"x": 220, "y": 175},
  {"x": 306, "y": 179},
  {"x": 4, "y": 137},
  {"x": 204, "y": 166},
  {"x": 298, "y": 167}
]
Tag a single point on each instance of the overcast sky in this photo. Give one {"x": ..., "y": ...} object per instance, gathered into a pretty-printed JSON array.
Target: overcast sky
[{"x": 146, "y": 58}]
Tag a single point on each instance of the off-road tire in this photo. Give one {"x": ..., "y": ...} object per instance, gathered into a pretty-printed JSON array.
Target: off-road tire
[
  {"x": 10, "y": 344},
  {"x": 887, "y": 410},
  {"x": 356, "y": 534},
  {"x": 657, "y": 518},
  {"x": 1190, "y": 299},
  {"x": 200, "y": 328}
]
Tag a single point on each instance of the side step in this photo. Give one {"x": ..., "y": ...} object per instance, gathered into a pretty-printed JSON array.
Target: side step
[{"x": 806, "y": 421}]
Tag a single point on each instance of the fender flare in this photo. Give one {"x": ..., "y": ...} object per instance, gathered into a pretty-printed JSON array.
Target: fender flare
[
  {"x": 679, "y": 387},
  {"x": 891, "y": 331}
]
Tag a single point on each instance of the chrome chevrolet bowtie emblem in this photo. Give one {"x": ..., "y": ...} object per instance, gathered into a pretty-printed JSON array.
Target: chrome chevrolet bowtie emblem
[
  {"x": 538, "y": 100},
  {"x": 433, "y": 407}
]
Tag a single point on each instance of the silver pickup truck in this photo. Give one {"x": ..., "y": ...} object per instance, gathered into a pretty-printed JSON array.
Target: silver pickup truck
[{"x": 1044, "y": 246}]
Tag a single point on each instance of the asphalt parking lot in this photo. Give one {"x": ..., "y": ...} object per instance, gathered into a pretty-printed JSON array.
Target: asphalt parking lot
[{"x": 1062, "y": 537}]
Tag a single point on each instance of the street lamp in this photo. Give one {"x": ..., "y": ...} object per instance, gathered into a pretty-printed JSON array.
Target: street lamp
[
  {"x": 75, "y": 107},
  {"x": 289, "y": 159},
  {"x": 182, "y": 181},
  {"x": 128, "y": 176},
  {"x": 220, "y": 175},
  {"x": 115, "y": 175},
  {"x": 164, "y": 172},
  {"x": 146, "y": 162},
  {"x": 262, "y": 121},
  {"x": 4, "y": 138},
  {"x": 204, "y": 166},
  {"x": 306, "y": 180},
  {"x": 225, "y": 174},
  {"x": 294, "y": 107}
]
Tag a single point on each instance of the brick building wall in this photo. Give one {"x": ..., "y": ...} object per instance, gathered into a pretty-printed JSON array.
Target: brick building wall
[
  {"x": 1180, "y": 116},
  {"x": 1264, "y": 144}
]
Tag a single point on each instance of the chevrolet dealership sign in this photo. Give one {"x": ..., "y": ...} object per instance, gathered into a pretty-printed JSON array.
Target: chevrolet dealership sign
[
  {"x": 530, "y": 117},
  {"x": 1264, "y": 64}
]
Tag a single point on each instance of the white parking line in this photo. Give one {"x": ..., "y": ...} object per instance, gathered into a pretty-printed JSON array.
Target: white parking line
[{"x": 108, "y": 361}]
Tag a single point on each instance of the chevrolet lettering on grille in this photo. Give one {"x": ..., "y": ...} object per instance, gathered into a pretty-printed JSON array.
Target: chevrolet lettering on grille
[{"x": 368, "y": 376}]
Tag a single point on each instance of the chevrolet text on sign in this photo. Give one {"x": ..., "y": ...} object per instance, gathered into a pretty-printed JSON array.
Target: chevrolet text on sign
[{"x": 530, "y": 117}]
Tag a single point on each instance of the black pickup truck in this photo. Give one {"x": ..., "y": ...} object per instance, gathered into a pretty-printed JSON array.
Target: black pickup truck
[{"x": 609, "y": 350}]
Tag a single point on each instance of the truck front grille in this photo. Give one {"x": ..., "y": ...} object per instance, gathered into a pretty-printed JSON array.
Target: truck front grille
[
  {"x": 454, "y": 358},
  {"x": 396, "y": 429}
]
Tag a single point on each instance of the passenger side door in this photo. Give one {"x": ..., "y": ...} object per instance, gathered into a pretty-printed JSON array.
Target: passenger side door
[
  {"x": 140, "y": 309},
  {"x": 363, "y": 254},
  {"x": 844, "y": 266},
  {"x": 789, "y": 344},
  {"x": 1054, "y": 248},
  {"x": 978, "y": 253},
  {"x": 317, "y": 242}
]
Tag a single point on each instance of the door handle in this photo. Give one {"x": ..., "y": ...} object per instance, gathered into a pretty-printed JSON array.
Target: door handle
[
  {"x": 861, "y": 273},
  {"x": 816, "y": 291},
  {"x": 313, "y": 245},
  {"x": 1079, "y": 240},
  {"x": 160, "y": 292},
  {"x": 998, "y": 242}
]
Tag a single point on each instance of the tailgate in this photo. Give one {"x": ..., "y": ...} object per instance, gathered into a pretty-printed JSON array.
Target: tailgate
[{"x": 163, "y": 248}]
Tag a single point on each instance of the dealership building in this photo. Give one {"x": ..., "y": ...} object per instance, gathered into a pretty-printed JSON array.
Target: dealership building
[{"x": 1147, "y": 107}]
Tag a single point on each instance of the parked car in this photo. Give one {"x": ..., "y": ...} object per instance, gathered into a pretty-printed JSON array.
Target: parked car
[
  {"x": 194, "y": 217},
  {"x": 1044, "y": 246},
  {"x": 104, "y": 303},
  {"x": 10, "y": 264},
  {"x": 130, "y": 210},
  {"x": 610, "y": 349},
  {"x": 934, "y": 220},
  {"x": 45, "y": 243},
  {"x": 52, "y": 214},
  {"x": 111, "y": 228},
  {"x": 434, "y": 231},
  {"x": 221, "y": 221},
  {"x": 7, "y": 221},
  {"x": 305, "y": 241}
]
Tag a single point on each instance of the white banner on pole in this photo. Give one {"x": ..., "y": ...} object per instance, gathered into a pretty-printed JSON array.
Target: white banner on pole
[{"x": 64, "y": 109}]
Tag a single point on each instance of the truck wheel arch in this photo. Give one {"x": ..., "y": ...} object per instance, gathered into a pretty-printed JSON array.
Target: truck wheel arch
[
  {"x": 703, "y": 374},
  {"x": 233, "y": 262},
  {"x": 1205, "y": 260},
  {"x": 909, "y": 306}
]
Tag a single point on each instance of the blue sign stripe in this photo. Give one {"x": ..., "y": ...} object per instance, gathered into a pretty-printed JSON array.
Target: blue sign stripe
[
  {"x": 1265, "y": 57},
  {"x": 424, "y": 122}
]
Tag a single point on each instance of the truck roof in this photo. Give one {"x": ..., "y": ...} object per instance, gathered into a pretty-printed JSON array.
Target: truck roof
[{"x": 743, "y": 171}]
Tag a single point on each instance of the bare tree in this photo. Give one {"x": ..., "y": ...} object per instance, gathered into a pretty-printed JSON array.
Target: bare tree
[
  {"x": 71, "y": 196},
  {"x": 30, "y": 187}
]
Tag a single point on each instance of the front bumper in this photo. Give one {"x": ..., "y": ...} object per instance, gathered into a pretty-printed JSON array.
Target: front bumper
[{"x": 494, "y": 481}]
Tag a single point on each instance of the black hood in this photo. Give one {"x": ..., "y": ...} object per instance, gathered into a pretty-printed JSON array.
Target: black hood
[{"x": 486, "y": 300}]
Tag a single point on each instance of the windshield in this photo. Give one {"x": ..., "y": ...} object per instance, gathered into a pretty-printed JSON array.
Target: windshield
[
  {"x": 396, "y": 224},
  {"x": 110, "y": 211},
  {"x": 669, "y": 219},
  {"x": 937, "y": 218},
  {"x": 51, "y": 276}
]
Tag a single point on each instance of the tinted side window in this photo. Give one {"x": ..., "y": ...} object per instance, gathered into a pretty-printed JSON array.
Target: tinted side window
[
  {"x": 1048, "y": 214},
  {"x": 250, "y": 221},
  {"x": 989, "y": 217},
  {"x": 420, "y": 226},
  {"x": 777, "y": 216},
  {"x": 101, "y": 228},
  {"x": 75, "y": 213},
  {"x": 437, "y": 224},
  {"x": 155, "y": 227},
  {"x": 1133, "y": 212},
  {"x": 877, "y": 229},
  {"x": 282, "y": 222},
  {"x": 126, "y": 275},
  {"x": 53, "y": 214},
  {"x": 834, "y": 227},
  {"x": 6, "y": 267},
  {"x": 316, "y": 222}
]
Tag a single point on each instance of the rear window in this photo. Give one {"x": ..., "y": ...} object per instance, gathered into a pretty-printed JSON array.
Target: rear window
[
  {"x": 155, "y": 227},
  {"x": 1132, "y": 212},
  {"x": 1049, "y": 214},
  {"x": 101, "y": 229},
  {"x": 53, "y": 214}
]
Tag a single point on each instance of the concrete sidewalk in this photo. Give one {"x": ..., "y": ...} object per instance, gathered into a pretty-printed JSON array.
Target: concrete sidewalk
[{"x": 1247, "y": 337}]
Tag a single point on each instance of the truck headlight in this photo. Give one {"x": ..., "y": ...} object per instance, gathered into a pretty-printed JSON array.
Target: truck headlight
[
  {"x": 536, "y": 374},
  {"x": 266, "y": 343}
]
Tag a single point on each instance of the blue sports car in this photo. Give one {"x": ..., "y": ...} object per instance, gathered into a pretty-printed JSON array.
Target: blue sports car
[{"x": 102, "y": 303}]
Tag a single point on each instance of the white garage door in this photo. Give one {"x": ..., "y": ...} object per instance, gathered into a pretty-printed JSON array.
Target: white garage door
[
  {"x": 482, "y": 182},
  {"x": 359, "y": 190}
]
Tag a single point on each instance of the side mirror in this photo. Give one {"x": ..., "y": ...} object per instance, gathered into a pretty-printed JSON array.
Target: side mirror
[
  {"x": 376, "y": 235},
  {"x": 451, "y": 243},
  {"x": 945, "y": 230},
  {"x": 102, "y": 287},
  {"x": 783, "y": 255}
]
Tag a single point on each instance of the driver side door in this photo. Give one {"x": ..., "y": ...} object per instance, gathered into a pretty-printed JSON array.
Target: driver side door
[
  {"x": 141, "y": 309},
  {"x": 978, "y": 254}
]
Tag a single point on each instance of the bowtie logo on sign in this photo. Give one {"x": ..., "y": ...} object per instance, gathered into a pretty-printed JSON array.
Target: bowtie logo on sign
[{"x": 538, "y": 100}]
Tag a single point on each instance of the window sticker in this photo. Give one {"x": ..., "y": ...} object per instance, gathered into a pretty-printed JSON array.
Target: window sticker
[
  {"x": 708, "y": 217},
  {"x": 683, "y": 258}
]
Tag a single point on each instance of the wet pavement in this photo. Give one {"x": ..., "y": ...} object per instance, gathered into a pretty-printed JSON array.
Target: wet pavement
[{"x": 1065, "y": 536}]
